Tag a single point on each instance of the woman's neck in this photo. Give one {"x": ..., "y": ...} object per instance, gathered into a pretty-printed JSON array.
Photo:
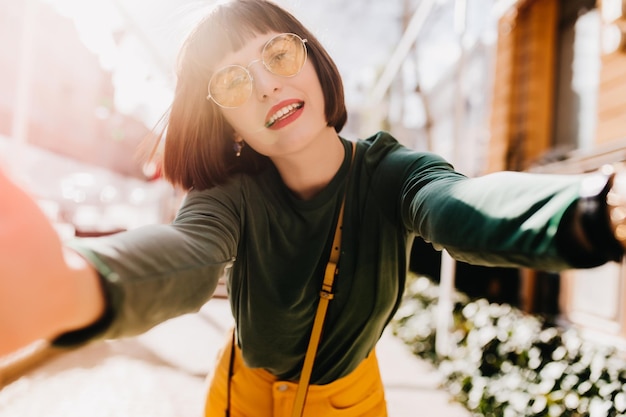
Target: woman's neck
[{"x": 310, "y": 170}]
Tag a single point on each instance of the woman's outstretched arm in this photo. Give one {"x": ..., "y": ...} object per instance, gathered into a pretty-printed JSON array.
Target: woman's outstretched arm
[{"x": 45, "y": 290}]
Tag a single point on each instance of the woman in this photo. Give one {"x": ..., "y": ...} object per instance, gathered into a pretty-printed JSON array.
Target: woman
[{"x": 253, "y": 136}]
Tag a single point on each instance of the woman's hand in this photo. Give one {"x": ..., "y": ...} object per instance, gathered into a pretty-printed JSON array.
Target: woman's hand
[
  {"x": 41, "y": 285},
  {"x": 616, "y": 202}
]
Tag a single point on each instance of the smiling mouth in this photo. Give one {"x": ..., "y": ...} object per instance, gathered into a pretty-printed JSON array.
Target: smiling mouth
[{"x": 283, "y": 113}]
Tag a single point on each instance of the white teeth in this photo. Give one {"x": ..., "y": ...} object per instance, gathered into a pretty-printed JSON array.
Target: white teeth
[{"x": 282, "y": 113}]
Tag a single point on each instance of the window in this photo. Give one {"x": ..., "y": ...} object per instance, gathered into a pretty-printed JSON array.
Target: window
[{"x": 577, "y": 75}]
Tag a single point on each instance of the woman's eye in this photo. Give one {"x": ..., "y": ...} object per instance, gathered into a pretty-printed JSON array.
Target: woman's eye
[
  {"x": 237, "y": 81},
  {"x": 282, "y": 63},
  {"x": 277, "y": 58},
  {"x": 231, "y": 79}
]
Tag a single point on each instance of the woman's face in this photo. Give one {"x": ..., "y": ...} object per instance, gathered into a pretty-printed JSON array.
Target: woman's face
[{"x": 282, "y": 114}]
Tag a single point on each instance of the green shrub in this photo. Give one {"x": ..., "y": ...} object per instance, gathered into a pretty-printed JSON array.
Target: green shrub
[{"x": 504, "y": 362}]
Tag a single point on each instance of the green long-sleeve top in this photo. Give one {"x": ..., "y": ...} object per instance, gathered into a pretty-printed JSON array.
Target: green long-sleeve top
[{"x": 272, "y": 248}]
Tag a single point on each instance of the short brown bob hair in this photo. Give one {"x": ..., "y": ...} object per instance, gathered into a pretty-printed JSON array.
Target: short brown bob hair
[{"x": 198, "y": 150}]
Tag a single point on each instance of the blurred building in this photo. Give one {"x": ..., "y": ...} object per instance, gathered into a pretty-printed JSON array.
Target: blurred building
[
  {"x": 524, "y": 85},
  {"x": 60, "y": 132},
  {"x": 65, "y": 94}
]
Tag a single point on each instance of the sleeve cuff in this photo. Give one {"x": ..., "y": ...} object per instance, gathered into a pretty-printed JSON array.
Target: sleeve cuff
[
  {"x": 585, "y": 238},
  {"x": 96, "y": 330}
]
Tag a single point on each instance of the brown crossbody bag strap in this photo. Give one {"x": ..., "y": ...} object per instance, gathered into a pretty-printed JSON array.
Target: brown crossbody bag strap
[{"x": 325, "y": 296}]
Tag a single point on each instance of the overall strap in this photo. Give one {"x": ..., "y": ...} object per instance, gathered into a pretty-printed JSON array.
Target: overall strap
[{"x": 325, "y": 296}]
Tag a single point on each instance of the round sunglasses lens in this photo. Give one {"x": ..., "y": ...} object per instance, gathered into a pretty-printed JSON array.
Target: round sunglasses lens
[
  {"x": 231, "y": 86},
  {"x": 285, "y": 55}
]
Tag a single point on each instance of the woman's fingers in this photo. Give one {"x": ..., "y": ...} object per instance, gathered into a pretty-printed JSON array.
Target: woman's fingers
[{"x": 616, "y": 202}]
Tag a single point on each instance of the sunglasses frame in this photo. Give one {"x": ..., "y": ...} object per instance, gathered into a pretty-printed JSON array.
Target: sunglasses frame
[{"x": 246, "y": 68}]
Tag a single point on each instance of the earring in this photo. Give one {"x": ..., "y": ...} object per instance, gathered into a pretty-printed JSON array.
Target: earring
[{"x": 238, "y": 146}]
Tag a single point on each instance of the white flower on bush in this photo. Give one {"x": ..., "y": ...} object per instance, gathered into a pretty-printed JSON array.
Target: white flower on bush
[{"x": 508, "y": 363}]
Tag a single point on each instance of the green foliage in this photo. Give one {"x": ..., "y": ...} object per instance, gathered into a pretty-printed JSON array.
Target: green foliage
[{"x": 504, "y": 362}]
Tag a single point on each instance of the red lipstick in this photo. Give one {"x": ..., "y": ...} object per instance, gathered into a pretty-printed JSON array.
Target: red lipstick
[{"x": 283, "y": 113}]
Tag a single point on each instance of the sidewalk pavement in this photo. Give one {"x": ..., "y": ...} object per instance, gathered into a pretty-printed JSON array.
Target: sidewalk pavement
[{"x": 161, "y": 374}]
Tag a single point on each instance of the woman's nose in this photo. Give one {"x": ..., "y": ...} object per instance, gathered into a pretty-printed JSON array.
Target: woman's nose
[{"x": 265, "y": 83}]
